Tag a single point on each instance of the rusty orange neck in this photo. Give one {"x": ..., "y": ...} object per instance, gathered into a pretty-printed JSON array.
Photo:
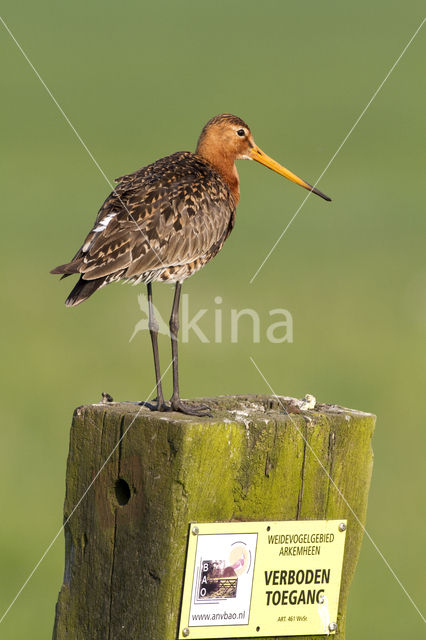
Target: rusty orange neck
[{"x": 223, "y": 163}]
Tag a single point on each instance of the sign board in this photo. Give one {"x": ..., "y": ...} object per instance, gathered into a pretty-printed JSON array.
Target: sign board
[{"x": 248, "y": 579}]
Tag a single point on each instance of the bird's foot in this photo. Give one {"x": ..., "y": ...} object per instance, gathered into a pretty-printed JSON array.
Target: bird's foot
[
  {"x": 156, "y": 405},
  {"x": 200, "y": 410}
]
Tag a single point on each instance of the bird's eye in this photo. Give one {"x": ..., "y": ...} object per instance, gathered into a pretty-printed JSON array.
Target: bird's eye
[{"x": 241, "y": 132}]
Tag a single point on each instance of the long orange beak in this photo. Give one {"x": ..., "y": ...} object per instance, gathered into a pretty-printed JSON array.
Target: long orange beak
[{"x": 258, "y": 155}]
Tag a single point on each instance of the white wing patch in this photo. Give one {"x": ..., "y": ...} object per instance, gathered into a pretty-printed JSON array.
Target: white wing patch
[
  {"x": 100, "y": 227},
  {"x": 104, "y": 223}
]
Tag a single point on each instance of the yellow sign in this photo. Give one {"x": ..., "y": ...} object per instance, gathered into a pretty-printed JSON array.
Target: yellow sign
[{"x": 248, "y": 579}]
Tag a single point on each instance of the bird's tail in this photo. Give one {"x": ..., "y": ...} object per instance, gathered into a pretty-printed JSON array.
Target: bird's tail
[
  {"x": 83, "y": 290},
  {"x": 67, "y": 269}
]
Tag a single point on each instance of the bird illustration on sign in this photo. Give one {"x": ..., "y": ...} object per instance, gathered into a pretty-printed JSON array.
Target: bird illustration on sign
[{"x": 219, "y": 578}]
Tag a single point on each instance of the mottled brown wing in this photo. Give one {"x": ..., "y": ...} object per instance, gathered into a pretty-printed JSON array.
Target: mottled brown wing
[{"x": 167, "y": 214}]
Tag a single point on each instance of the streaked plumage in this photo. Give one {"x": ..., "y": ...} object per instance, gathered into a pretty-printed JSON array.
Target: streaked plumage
[{"x": 167, "y": 220}]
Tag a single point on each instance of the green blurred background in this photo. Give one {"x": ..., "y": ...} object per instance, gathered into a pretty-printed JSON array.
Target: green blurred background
[{"x": 139, "y": 81}]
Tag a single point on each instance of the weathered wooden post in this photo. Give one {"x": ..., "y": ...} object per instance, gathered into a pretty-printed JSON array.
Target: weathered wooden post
[{"x": 127, "y": 540}]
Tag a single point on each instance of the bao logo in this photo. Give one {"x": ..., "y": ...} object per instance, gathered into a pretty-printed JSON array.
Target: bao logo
[{"x": 219, "y": 578}]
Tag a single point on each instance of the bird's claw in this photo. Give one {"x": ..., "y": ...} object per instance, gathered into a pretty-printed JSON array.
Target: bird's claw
[
  {"x": 156, "y": 405},
  {"x": 201, "y": 410}
]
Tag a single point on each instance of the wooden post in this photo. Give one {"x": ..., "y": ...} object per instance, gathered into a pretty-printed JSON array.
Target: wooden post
[{"x": 126, "y": 541}]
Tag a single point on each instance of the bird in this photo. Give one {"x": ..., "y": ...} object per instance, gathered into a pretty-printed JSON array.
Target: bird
[{"x": 164, "y": 222}]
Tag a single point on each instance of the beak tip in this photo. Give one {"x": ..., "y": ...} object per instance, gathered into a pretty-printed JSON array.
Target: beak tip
[{"x": 320, "y": 194}]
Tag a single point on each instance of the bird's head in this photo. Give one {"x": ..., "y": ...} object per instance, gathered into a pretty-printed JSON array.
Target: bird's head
[{"x": 226, "y": 138}]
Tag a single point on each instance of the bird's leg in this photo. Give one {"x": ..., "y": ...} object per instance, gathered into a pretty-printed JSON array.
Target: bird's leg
[
  {"x": 153, "y": 330},
  {"x": 174, "y": 329},
  {"x": 175, "y": 401}
]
